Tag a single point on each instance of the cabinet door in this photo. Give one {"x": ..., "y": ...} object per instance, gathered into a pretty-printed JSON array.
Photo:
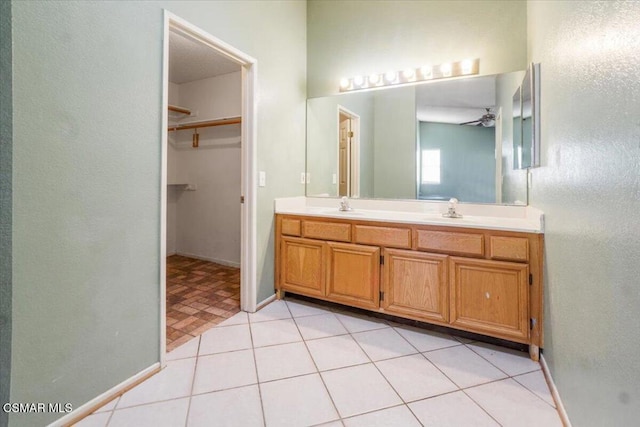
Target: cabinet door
[
  {"x": 354, "y": 274},
  {"x": 490, "y": 297},
  {"x": 303, "y": 266},
  {"x": 415, "y": 284}
]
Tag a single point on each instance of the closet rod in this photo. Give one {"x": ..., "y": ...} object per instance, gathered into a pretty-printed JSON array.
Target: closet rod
[{"x": 206, "y": 124}]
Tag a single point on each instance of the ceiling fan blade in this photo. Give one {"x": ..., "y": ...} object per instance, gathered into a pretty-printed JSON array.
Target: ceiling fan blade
[{"x": 472, "y": 121}]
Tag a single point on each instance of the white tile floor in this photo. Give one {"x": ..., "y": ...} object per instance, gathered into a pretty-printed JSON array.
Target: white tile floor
[{"x": 296, "y": 364}]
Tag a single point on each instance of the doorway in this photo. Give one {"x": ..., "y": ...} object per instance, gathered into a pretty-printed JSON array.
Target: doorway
[
  {"x": 348, "y": 153},
  {"x": 208, "y": 226}
]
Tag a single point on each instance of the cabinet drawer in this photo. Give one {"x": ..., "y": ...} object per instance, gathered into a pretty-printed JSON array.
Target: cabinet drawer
[
  {"x": 383, "y": 236},
  {"x": 290, "y": 227},
  {"x": 327, "y": 230},
  {"x": 509, "y": 248},
  {"x": 445, "y": 241}
]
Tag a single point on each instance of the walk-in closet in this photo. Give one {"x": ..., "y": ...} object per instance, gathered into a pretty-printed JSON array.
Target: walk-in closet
[{"x": 203, "y": 189}]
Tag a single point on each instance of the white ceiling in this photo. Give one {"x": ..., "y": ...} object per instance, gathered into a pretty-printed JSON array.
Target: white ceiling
[
  {"x": 190, "y": 60},
  {"x": 455, "y": 101}
]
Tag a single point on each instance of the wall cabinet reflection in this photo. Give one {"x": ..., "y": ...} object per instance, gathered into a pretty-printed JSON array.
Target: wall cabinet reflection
[{"x": 526, "y": 138}]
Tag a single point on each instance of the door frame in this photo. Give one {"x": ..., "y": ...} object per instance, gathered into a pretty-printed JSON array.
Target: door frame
[
  {"x": 353, "y": 184},
  {"x": 248, "y": 239}
]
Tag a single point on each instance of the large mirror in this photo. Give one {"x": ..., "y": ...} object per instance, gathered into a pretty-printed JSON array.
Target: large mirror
[{"x": 431, "y": 141}]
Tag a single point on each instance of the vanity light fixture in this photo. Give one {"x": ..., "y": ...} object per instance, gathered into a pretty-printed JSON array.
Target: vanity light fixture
[{"x": 466, "y": 67}]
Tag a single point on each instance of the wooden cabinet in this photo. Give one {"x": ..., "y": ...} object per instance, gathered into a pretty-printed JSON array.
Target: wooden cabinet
[
  {"x": 490, "y": 297},
  {"x": 303, "y": 265},
  {"x": 415, "y": 284},
  {"x": 483, "y": 281},
  {"x": 353, "y": 274}
]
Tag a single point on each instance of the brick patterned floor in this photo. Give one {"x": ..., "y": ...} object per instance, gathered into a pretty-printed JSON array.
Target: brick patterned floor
[{"x": 200, "y": 294}]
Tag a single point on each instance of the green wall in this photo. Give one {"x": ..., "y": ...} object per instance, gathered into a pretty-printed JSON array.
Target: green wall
[
  {"x": 6, "y": 147},
  {"x": 394, "y": 170},
  {"x": 589, "y": 189},
  {"x": 350, "y": 38},
  {"x": 86, "y": 179},
  {"x": 322, "y": 141},
  {"x": 467, "y": 161}
]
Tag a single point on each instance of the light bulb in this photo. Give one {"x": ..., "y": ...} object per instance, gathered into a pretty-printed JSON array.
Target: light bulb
[
  {"x": 467, "y": 66},
  {"x": 344, "y": 83},
  {"x": 409, "y": 73},
  {"x": 358, "y": 81},
  {"x": 390, "y": 76},
  {"x": 426, "y": 72},
  {"x": 445, "y": 69},
  {"x": 374, "y": 79}
]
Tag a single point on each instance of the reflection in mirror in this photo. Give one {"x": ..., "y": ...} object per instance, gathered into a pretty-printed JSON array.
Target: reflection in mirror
[
  {"x": 517, "y": 129},
  {"x": 527, "y": 152},
  {"x": 430, "y": 141}
]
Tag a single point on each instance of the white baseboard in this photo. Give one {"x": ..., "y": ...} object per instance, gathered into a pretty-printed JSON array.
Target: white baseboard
[
  {"x": 204, "y": 258},
  {"x": 97, "y": 402},
  {"x": 564, "y": 417},
  {"x": 265, "y": 301}
]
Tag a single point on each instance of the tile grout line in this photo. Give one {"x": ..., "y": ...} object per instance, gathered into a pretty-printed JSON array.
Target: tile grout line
[
  {"x": 480, "y": 406},
  {"x": 535, "y": 394},
  {"x": 434, "y": 365},
  {"x": 255, "y": 367},
  {"x": 316, "y": 366},
  {"x": 193, "y": 381},
  {"x": 380, "y": 372},
  {"x": 112, "y": 411},
  {"x": 509, "y": 376}
]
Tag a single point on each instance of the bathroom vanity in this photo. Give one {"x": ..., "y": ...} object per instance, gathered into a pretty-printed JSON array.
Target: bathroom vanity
[{"x": 481, "y": 273}]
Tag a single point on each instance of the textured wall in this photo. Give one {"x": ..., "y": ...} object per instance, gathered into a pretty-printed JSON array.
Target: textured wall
[
  {"x": 87, "y": 128},
  {"x": 589, "y": 189},
  {"x": 350, "y": 38},
  {"x": 6, "y": 147}
]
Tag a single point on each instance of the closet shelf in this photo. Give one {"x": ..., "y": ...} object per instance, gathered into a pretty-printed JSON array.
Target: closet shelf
[{"x": 206, "y": 123}]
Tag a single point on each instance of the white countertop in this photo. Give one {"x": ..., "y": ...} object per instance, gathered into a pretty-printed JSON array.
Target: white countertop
[{"x": 495, "y": 217}]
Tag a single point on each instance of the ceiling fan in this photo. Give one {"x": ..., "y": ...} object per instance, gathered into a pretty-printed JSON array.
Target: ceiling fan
[{"x": 487, "y": 120}]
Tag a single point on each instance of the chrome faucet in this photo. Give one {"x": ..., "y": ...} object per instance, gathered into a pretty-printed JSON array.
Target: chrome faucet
[
  {"x": 451, "y": 212},
  {"x": 344, "y": 204}
]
